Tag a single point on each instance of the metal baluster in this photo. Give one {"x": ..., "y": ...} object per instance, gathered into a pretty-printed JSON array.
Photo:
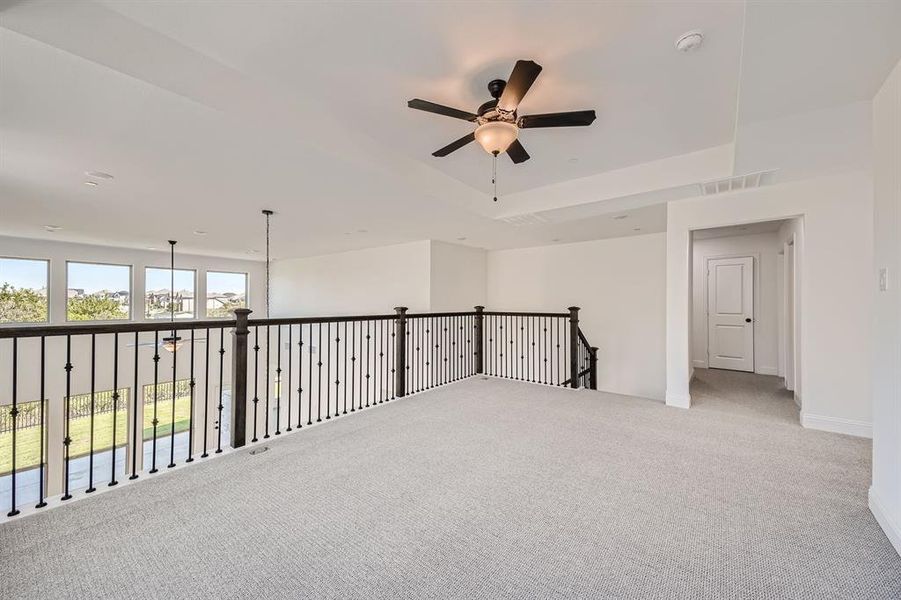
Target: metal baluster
[
  {"x": 300, "y": 376},
  {"x": 156, "y": 378},
  {"x": 91, "y": 487},
  {"x": 368, "y": 356},
  {"x": 319, "y": 384},
  {"x": 220, "y": 406},
  {"x": 256, "y": 379},
  {"x": 392, "y": 360},
  {"x": 290, "y": 368},
  {"x": 328, "y": 369},
  {"x": 557, "y": 320},
  {"x": 268, "y": 384},
  {"x": 380, "y": 343},
  {"x": 134, "y": 415},
  {"x": 206, "y": 392},
  {"x": 112, "y": 477},
  {"x": 278, "y": 378},
  {"x": 337, "y": 378},
  {"x": 344, "y": 410},
  {"x": 353, "y": 363},
  {"x": 41, "y": 474},
  {"x": 67, "y": 440},
  {"x": 14, "y": 413},
  {"x": 310, "y": 382},
  {"x": 191, "y": 383},
  {"x": 174, "y": 399}
]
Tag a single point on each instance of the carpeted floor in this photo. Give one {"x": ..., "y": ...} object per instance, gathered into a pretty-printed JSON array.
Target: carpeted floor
[{"x": 486, "y": 489}]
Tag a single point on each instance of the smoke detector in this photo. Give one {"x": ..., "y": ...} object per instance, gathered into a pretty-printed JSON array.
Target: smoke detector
[{"x": 690, "y": 41}]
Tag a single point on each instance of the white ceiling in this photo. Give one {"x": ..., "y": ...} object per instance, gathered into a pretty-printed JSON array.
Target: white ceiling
[
  {"x": 208, "y": 112},
  {"x": 735, "y": 230}
]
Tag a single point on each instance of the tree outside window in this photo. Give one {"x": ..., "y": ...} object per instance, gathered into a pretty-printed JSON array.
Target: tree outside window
[
  {"x": 23, "y": 290},
  {"x": 98, "y": 292}
]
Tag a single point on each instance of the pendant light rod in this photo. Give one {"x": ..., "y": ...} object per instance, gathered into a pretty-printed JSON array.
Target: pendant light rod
[
  {"x": 172, "y": 281},
  {"x": 268, "y": 214}
]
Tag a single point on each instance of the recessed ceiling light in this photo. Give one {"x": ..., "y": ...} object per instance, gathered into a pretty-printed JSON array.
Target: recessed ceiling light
[
  {"x": 98, "y": 175},
  {"x": 252, "y": 251},
  {"x": 637, "y": 229},
  {"x": 91, "y": 183},
  {"x": 199, "y": 232},
  {"x": 573, "y": 160},
  {"x": 460, "y": 239},
  {"x": 362, "y": 231},
  {"x": 52, "y": 228},
  {"x": 151, "y": 247},
  {"x": 690, "y": 40},
  {"x": 620, "y": 217},
  {"x": 555, "y": 240}
]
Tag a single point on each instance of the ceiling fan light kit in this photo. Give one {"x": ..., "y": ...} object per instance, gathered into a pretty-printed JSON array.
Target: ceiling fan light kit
[{"x": 498, "y": 121}]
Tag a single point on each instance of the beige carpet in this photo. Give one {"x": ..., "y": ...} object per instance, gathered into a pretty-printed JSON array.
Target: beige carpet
[{"x": 486, "y": 489}]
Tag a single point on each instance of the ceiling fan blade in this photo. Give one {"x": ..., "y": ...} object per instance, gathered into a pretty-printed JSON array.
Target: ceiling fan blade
[
  {"x": 440, "y": 109},
  {"x": 524, "y": 74},
  {"x": 455, "y": 145},
  {"x": 562, "y": 119},
  {"x": 517, "y": 153}
]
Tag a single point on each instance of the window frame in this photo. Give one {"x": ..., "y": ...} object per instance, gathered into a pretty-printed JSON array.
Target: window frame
[
  {"x": 206, "y": 290},
  {"x": 131, "y": 293},
  {"x": 49, "y": 320},
  {"x": 193, "y": 316}
]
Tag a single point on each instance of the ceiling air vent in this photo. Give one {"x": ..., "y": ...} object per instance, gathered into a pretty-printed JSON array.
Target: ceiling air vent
[
  {"x": 524, "y": 219},
  {"x": 739, "y": 182}
]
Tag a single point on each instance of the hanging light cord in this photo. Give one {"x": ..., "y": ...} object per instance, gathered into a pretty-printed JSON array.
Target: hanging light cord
[
  {"x": 494, "y": 174},
  {"x": 172, "y": 282},
  {"x": 267, "y": 213}
]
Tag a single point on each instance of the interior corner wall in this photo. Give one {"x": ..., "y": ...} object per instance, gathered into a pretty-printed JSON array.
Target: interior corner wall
[
  {"x": 457, "y": 277},
  {"x": 620, "y": 286},
  {"x": 764, "y": 248},
  {"x": 836, "y": 292},
  {"x": 370, "y": 281},
  {"x": 885, "y": 492}
]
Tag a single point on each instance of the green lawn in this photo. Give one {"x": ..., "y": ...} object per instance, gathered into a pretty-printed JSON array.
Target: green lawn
[{"x": 28, "y": 448}]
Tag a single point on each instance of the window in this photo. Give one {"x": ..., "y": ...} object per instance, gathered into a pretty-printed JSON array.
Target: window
[
  {"x": 165, "y": 411},
  {"x": 23, "y": 290},
  {"x": 157, "y": 293},
  {"x": 97, "y": 292},
  {"x": 224, "y": 293}
]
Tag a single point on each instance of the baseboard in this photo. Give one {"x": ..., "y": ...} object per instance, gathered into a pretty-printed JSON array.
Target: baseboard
[
  {"x": 678, "y": 400},
  {"x": 797, "y": 398},
  {"x": 767, "y": 371},
  {"x": 837, "y": 425},
  {"x": 699, "y": 364},
  {"x": 889, "y": 526}
]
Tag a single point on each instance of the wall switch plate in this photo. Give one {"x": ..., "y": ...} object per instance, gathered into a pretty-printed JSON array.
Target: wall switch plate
[{"x": 883, "y": 279}]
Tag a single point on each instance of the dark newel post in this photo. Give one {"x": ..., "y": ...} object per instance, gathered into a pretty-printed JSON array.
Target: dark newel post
[
  {"x": 593, "y": 373},
  {"x": 574, "y": 346},
  {"x": 400, "y": 352},
  {"x": 480, "y": 322},
  {"x": 239, "y": 379}
]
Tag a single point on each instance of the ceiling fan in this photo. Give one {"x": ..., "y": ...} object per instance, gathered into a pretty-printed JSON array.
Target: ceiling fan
[{"x": 498, "y": 121}]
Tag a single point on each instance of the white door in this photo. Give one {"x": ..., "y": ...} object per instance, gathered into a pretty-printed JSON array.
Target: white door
[{"x": 730, "y": 313}]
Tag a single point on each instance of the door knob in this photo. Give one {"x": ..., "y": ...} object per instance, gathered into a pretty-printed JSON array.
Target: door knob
[{"x": 747, "y": 319}]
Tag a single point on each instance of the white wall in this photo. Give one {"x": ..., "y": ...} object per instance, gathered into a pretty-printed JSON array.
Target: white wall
[
  {"x": 885, "y": 493},
  {"x": 836, "y": 289},
  {"x": 764, "y": 248},
  {"x": 457, "y": 277},
  {"x": 620, "y": 286},
  {"x": 370, "y": 281}
]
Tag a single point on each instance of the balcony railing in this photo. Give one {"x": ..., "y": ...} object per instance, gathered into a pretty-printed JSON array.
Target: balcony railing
[{"x": 90, "y": 405}]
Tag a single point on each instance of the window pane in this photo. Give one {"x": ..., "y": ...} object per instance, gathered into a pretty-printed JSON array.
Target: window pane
[
  {"x": 23, "y": 291},
  {"x": 156, "y": 296},
  {"x": 28, "y": 452},
  {"x": 98, "y": 292},
  {"x": 108, "y": 409},
  {"x": 224, "y": 293},
  {"x": 165, "y": 410}
]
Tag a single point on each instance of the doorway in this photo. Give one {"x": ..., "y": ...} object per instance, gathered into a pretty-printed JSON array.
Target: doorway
[{"x": 730, "y": 313}]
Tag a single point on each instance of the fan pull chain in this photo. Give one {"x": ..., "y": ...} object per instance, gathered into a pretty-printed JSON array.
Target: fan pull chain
[{"x": 494, "y": 174}]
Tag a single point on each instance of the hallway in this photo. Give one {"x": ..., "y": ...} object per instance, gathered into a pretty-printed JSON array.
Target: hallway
[{"x": 761, "y": 396}]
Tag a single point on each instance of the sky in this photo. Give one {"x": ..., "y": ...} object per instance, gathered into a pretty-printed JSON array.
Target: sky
[{"x": 92, "y": 277}]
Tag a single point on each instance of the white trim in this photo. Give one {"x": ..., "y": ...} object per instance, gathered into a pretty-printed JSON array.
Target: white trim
[
  {"x": 891, "y": 528},
  {"x": 699, "y": 364},
  {"x": 837, "y": 425},
  {"x": 678, "y": 400},
  {"x": 797, "y": 398},
  {"x": 767, "y": 371}
]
